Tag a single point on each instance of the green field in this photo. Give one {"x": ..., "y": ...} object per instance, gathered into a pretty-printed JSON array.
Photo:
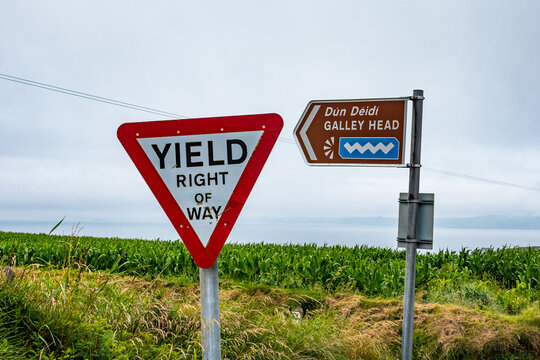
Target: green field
[{"x": 82, "y": 297}]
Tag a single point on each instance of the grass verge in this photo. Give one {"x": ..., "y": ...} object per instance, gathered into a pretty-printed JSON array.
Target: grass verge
[{"x": 79, "y": 314}]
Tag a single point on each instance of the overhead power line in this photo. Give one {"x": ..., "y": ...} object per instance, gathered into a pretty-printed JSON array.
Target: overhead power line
[
  {"x": 480, "y": 179},
  {"x": 173, "y": 115},
  {"x": 102, "y": 99},
  {"x": 89, "y": 96}
]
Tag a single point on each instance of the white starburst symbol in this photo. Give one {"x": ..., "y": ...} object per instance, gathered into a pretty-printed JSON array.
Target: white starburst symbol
[{"x": 328, "y": 148}]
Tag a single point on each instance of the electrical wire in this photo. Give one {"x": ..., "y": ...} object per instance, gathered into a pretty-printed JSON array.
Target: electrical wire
[
  {"x": 89, "y": 96},
  {"x": 480, "y": 179},
  {"x": 173, "y": 115},
  {"x": 103, "y": 99}
]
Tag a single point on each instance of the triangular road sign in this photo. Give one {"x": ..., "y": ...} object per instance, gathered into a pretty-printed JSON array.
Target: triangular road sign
[{"x": 201, "y": 171}]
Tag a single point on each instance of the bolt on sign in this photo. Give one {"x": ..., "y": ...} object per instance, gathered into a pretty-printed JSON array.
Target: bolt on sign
[
  {"x": 368, "y": 132},
  {"x": 201, "y": 171}
]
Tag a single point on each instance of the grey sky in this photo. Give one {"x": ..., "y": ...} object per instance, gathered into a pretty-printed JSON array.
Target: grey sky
[{"x": 477, "y": 61}]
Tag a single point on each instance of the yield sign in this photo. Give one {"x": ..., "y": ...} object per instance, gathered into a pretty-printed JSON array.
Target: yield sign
[{"x": 201, "y": 171}]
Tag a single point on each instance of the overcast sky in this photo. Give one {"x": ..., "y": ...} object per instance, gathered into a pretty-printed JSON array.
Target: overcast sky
[{"x": 477, "y": 61}]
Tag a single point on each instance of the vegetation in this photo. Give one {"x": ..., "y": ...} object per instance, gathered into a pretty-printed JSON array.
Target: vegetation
[
  {"x": 370, "y": 271},
  {"x": 97, "y": 298}
]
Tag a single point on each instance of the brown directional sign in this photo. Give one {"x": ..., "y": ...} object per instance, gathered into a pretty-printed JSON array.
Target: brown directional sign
[{"x": 369, "y": 132}]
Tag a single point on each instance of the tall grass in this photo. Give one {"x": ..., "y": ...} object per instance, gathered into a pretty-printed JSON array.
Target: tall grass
[
  {"x": 69, "y": 314},
  {"x": 74, "y": 314}
]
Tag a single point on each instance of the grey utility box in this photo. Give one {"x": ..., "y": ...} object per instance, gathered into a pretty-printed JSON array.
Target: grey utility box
[{"x": 424, "y": 220}]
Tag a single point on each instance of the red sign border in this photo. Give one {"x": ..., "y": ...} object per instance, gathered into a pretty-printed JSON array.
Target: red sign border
[
  {"x": 270, "y": 124},
  {"x": 302, "y": 147}
]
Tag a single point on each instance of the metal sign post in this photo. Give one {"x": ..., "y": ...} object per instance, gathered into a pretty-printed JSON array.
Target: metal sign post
[
  {"x": 210, "y": 325},
  {"x": 371, "y": 132},
  {"x": 413, "y": 200},
  {"x": 201, "y": 172}
]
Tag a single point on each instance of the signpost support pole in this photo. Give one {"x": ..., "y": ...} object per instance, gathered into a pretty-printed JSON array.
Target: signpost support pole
[
  {"x": 210, "y": 325},
  {"x": 413, "y": 200}
]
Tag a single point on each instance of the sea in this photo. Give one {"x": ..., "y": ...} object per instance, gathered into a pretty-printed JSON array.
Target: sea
[{"x": 321, "y": 234}]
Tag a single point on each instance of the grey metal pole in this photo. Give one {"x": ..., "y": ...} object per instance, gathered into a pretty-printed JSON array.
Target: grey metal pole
[
  {"x": 410, "y": 257},
  {"x": 210, "y": 325}
]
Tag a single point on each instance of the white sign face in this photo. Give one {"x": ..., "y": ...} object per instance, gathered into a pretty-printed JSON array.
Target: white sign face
[{"x": 201, "y": 172}]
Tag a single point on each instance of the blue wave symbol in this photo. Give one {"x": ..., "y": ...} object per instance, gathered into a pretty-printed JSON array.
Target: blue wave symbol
[{"x": 369, "y": 148}]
